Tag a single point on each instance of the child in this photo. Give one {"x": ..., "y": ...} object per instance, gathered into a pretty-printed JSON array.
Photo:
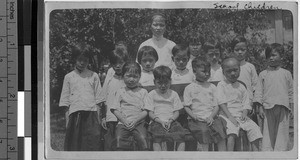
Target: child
[
  {"x": 200, "y": 103},
  {"x": 162, "y": 45},
  {"x": 120, "y": 45},
  {"x": 276, "y": 95},
  {"x": 81, "y": 95},
  {"x": 212, "y": 51},
  {"x": 111, "y": 85},
  {"x": 195, "y": 47},
  {"x": 248, "y": 73},
  {"x": 147, "y": 57},
  {"x": 163, "y": 105},
  {"x": 233, "y": 99},
  {"x": 181, "y": 56},
  {"x": 128, "y": 107}
]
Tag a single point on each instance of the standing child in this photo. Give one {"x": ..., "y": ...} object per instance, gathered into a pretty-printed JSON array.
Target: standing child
[
  {"x": 200, "y": 102},
  {"x": 181, "y": 56},
  {"x": 195, "y": 46},
  {"x": 111, "y": 85},
  {"x": 81, "y": 95},
  {"x": 129, "y": 108},
  {"x": 212, "y": 51},
  {"x": 276, "y": 95},
  {"x": 147, "y": 57},
  {"x": 162, "y": 45},
  {"x": 233, "y": 99},
  {"x": 163, "y": 105},
  {"x": 248, "y": 73}
]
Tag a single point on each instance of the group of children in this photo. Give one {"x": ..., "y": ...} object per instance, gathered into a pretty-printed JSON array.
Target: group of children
[{"x": 135, "y": 116}]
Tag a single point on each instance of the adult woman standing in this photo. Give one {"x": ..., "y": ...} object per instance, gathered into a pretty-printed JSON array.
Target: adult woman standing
[{"x": 162, "y": 45}]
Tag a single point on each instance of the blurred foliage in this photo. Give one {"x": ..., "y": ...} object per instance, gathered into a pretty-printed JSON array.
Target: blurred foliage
[{"x": 101, "y": 28}]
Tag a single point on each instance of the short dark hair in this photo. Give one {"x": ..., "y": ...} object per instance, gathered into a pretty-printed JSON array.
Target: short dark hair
[
  {"x": 146, "y": 50},
  {"x": 231, "y": 58},
  {"x": 155, "y": 14},
  {"x": 162, "y": 72},
  {"x": 236, "y": 40},
  {"x": 212, "y": 44},
  {"x": 274, "y": 47},
  {"x": 181, "y": 47},
  {"x": 131, "y": 66},
  {"x": 199, "y": 62},
  {"x": 118, "y": 54}
]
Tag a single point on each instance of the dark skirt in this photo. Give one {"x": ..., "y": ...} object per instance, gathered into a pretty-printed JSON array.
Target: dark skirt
[
  {"x": 176, "y": 132},
  {"x": 205, "y": 134},
  {"x": 110, "y": 136},
  {"x": 83, "y": 132}
]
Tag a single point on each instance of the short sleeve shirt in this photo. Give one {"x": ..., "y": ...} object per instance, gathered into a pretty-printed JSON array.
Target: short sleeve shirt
[
  {"x": 130, "y": 102},
  {"x": 202, "y": 98},
  {"x": 180, "y": 77},
  {"x": 235, "y": 95},
  {"x": 163, "y": 105}
]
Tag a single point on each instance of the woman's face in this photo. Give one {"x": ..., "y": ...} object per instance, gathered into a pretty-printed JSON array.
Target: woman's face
[{"x": 158, "y": 26}]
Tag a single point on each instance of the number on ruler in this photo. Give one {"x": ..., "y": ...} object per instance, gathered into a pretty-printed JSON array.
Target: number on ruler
[
  {"x": 1, "y": 19},
  {"x": 1, "y": 40},
  {"x": 1, "y": 80},
  {"x": 1, "y": 141},
  {"x": 1, "y": 100},
  {"x": 1, "y": 121},
  {"x": 12, "y": 148},
  {"x": 12, "y": 95},
  {"x": 1, "y": 60}
]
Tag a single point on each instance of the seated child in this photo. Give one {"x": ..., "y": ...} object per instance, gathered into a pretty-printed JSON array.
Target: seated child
[
  {"x": 233, "y": 99},
  {"x": 80, "y": 95},
  {"x": 128, "y": 107},
  {"x": 212, "y": 51},
  {"x": 200, "y": 102},
  {"x": 163, "y": 105},
  {"x": 195, "y": 46},
  {"x": 111, "y": 85},
  {"x": 147, "y": 57},
  {"x": 276, "y": 95},
  {"x": 181, "y": 56}
]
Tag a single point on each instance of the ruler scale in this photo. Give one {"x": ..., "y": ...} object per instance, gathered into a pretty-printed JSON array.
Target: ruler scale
[{"x": 8, "y": 79}]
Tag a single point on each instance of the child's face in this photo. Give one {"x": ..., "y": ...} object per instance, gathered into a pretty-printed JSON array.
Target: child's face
[
  {"x": 158, "y": 26},
  {"x": 82, "y": 63},
  {"x": 231, "y": 71},
  {"x": 131, "y": 79},
  {"x": 202, "y": 74},
  {"x": 240, "y": 51},
  {"x": 148, "y": 62},
  {"x": 118, "y": 67},
  {"x": 181, "y": 59},
  {"x": 213, "y": 56},
  {"x": 275, "y": 59},
  {"x": 195, "y": 49},
  {"x": 162, "y": 85}
]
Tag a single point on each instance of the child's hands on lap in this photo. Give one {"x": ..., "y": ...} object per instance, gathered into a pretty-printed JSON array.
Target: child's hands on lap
[
  {"x": 103, "y": 123},
  {"x": 244, "y": 116},
  {"x": 234, "y": 121},
  {"x": 209, "y": 120}
]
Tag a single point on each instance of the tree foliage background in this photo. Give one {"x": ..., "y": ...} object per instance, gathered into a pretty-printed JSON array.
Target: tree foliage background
[{"x": 99, "y": 29}]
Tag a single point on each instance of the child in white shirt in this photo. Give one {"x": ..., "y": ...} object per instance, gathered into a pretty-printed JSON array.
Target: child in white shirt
[
  {"x": 181, "y": 74},
  {"x": 233, "y": 99},
  {"x": 163, "y": 105},
  {"x": 200, "y": 101},
  {"x": 276, "y": 96},
  {"x": 147, "y": 57}
]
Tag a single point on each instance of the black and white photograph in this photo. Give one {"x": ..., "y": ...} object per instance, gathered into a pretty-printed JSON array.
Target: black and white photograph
[{"x": 170, "y": 80}]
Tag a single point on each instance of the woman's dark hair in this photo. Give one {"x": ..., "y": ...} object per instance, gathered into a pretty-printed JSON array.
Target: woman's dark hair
[{"x": 146, "y": 50}]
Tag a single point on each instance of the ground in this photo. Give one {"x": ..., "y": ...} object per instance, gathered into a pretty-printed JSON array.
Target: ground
[{"x": 58, "y": 129}]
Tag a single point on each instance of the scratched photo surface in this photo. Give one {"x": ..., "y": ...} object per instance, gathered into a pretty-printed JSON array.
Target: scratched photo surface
[{"x": 99, "y": 31}]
